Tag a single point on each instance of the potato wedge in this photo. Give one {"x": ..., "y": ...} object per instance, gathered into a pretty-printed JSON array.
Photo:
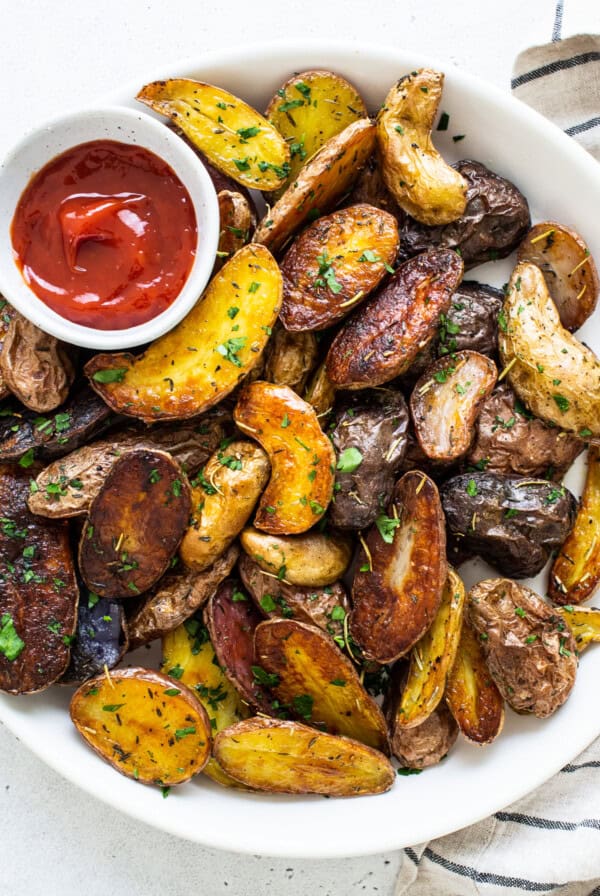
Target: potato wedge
[
  {"x": 320, "y": 392},
  {"x": 320, "y": 184},
  {"x": 317, "y": 682},
  {"x": 308, "y": 110},
  {"x": 311, "y": 559},
  {"x": 232, "y": 482},
  {"x": 556, "y": 376},
  {"x": 446, "y": 401},
  {"x": 237, "y": 223},
  {"x": 38, "y": 591},
  {"x": 402, "y": 570},
  {"x": 575, "y": 573},
  {"x": 568, "y": 268},
  {"x": 230, "y": 133},
  {"x": 424, "y": 745},
  {"x": 584, "y": 624},
  {"x": 101, "y": 640},
  {"x": 416, "y": 175},
  {"x": 334, "y": 264},
  {"x": 384, "y": 337},
  {"x": 290, "y": 358},
  {"x": 301, "y": 456},
  {"x": 135, "y": 524},
  {"x": 287, "y": 757},
  {"x": 433, "y": 656},
  {"x": 204, "y": 357},
  {"x": 146, "y": 725}
]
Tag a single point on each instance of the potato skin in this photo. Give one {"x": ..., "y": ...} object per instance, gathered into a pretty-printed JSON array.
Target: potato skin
[
  {"x": 426, "y": 744},
  {"x": 381, "y": 340},
  {"x": 309, "y": 559},
  {"x": 584, "y": 624},
  {"x": 320, "y": 392},
  {"x": 336, "y": 242},
  {"x": 238, "y": 220},
  {"x": 5, "y": 319},
  {"x": 531, "y": 654},
  {"x": 101, "y": 639},
  {"x": 471, "y": 322},
  {"x": 290, "y": 358}
]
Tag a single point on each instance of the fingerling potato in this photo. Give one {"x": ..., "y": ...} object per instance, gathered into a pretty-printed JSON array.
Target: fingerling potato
[
  {"x": 290, "y": 358},
  {"x": 237, "y": 221},
  {"x": 423, "y": 745},
  {"x": 101, "y": 639},
  {"x": 310, "y": 559},
  {"x": 583, "y": 623},
  {"x": 320, "y": 392}
]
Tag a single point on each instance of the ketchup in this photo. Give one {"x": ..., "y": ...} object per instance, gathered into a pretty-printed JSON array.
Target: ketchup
[{"x": 105, "y": 235}]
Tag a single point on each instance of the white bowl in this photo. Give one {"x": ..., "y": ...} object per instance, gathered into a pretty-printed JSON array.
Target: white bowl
[{"x": 126, "y": 126}]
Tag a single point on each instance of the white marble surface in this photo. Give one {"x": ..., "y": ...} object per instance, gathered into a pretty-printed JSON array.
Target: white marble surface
[{"x": 55, "y": 54}]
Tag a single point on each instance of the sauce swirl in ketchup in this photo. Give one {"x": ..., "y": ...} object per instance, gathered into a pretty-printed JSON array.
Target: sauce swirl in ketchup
[{"x": 105, "y": 235}]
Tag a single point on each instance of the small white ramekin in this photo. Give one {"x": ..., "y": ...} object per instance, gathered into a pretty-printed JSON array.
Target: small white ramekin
[{"x": 126, "y": 126}]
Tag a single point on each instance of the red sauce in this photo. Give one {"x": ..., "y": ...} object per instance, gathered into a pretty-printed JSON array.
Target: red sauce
[{"x": 105, "y": 235}]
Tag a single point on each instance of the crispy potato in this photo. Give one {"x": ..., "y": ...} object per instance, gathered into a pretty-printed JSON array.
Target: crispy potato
[
  {"x": 6, "y": 315},
  {"x": 175, "y": 597},
  {"x": 471, "y": 322},
  {"x": 529, "y": 651},
  {"x": 424, "y": 745},
  {"x": 311, "y": 559},
  {"x": 287, "y": 757},
  {"x": 35, "y": 366},
  {"x": 233, "y": 135},
  {"x": 369, "y": 187},
  {"x": 320, "y": 392},
  {"x": 471, "y": 694},
  {"x": 584, "y": 624},
  {"x": 556, "y": 376},
  {"x": 433, "y": 656},
  {"x": 238, "y": 221},
  {"x": 420, "y": 181},
  {"x": 195, "y": 365},
  {"x": 320, "y": 184},
  {"x": 232, "y": 482},
  {"x": 334, "y": 264},
  {"x": 301, "y": 456},
  {"x": 568, "y": 268},
  {"x": 446, "y": 401},
  {"x": 38, "y": 591},
  {"x": 101, "y": 639},
  {"x": 135, "y": 524},
  {"x": 146, "y": 725},
  {"x": 402, "y": 570},
  {"x": 308, "y": 110},
  {"x": 290, "y": 358},
  {"x": 575, "y": 572},
  {"x": 383, "y": 338},
  {"x": 319, "y": 684}
]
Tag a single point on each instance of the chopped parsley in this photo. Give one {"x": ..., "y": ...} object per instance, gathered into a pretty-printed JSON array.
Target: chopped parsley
[
  {"x": 562, "y": 402},
  {"x": 110, "y": 375},
  {"x": 326, "y": 274},
  {"x": 387, "y": 526},
  {"x": 11, "y": 644},
  {"x": 349, "y": 460},
  {"x": 267, "y": 679},
  {"x": 472, "y": 489},
  {"x": 229, "y": 350},
  {"x": 303, "y": 705}
]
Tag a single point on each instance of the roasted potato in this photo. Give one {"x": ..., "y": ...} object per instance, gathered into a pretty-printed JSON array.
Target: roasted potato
[
  {"x": 321, "y": 183},
  {"x": 195, "y": 365},
  {"x": 334, "y": 264},
  {"x": 556, "y": 376},
  {"x": 237, "y": 220},
  {"x": 401, "y": 572},
  {"x": 320, "y": 392},
  {"x": 135, "y": 524},
  {"x": 290, "y": 358},
  {"x": 584, "y": 624},
  {"x": 471, "y": 322},
  {"x": 494, "y": 222},
  {"x": 233, "y": 135},
  {"x": 311, "y": 559},
  {"x": 100, "y": 641},
  {"x": 512, "y": 522},
  {"x": 446, "y": 400},
  {"x": 568, "y": 268},
  {"x": 529, "y": 651},
  {"x": 146, "y": 725},
  {"x": 287, "y": 757},
  {"x": 308, "y": 110},
  {"x": 382, "y": 339},
  {"x": 370, "y": 187},
  {"x": 424, "y": 745},
  {"x": 301, "y": 456},
  {"x": 369, "y": 436},
  {"x": 38, "y": 591},
  {"x": 232, "y": 482},
  {"x": 6, "y": 314}
]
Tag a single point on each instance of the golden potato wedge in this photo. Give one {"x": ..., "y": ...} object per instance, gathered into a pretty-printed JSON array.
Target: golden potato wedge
[
  {"x": 311, "y": 559},
  {"x": 433, "y": 656},
  {"x": 471, "y": 693},
  {"x": 383, "y": 338},
  {"x": 556, "y": 376},
  {"x": 135, "y": 524},
  {"x": 334, "y": 264},
  {"x": 416, "y": 175},
  {"x": 568, "y": 268},
  {"x": 201, "y": 360},
  {"x": 575, "y": 573},
  {"x": 402, "y": 570},
  {"x": 318, "y": 683},
  {"x": 446, "y": 401},
  {"x": 231, "y": 484},
  {"x": 584, "y": 623},
  {"x": 308, "y": 110},
  {"x": 302, "y": 458},
  {"x": 237, "y": 223},
  {"x": 320, "y": 392},
  {"x": 320, "y": 184},
  {"x": 288, "y": 757},
  {"x": 236, "y": 138},
  {"x": 148, "y": 726},
  {"x": 290, "y": 358}
]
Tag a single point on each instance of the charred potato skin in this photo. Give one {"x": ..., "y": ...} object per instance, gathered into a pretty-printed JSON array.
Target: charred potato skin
[
  {"x": 290, "y": 358},
  {"x": 480, "y": 511},
  {"x": 101, "y": 639},
  {"x": 531, "y": 654},
  {"x": 310, "y": 559},
  {"x": 472, "y": 320}
]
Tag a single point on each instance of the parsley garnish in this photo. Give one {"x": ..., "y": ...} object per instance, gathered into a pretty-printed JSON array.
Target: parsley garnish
[
  {"x": 349, "y": 460},
  {"x": 11, "y": 644},
  {"x": 387, "y": 526},
  {"x": 110, "y": 375},
  {"x": 229, "y": 349}
]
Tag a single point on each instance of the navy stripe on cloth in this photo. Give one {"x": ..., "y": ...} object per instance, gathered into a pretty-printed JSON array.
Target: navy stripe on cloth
[
  {"x": 485, "y": 877},
  {"x": 584, "y": 126},
  {"x": 558, "y": 17},
  {"x": 595, "y": 763},
  {"x": 533, "y": 821},
  {"x": 552, "y": 67}
]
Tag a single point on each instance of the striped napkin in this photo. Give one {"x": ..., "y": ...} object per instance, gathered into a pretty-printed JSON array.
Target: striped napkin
[{"x": 548, "y": 842}]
